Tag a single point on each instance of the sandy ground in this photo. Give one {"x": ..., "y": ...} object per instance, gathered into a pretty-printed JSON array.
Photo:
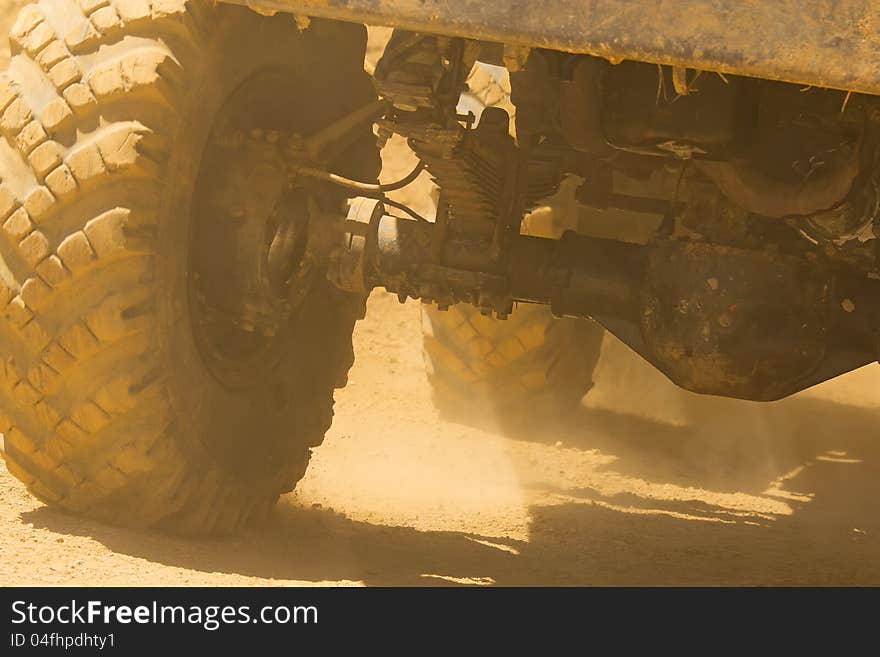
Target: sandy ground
[{"x": 645, "y": 484}]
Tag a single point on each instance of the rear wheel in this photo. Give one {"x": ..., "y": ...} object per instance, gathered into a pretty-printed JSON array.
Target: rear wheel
[
  {"x": 531, "y": 365},
  {"x": 148, "y": 379}
]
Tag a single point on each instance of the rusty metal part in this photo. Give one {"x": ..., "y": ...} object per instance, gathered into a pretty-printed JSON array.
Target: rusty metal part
[
  {"x": 578, "y": 276},
  {"x": 382, "y": 250},
  {"x": 486, "y": 185},
  {"x": 421, "y": 77},
  {"x": 337, "y": 134},
  {"x": 273, "y": 228},
  {"x": 249, "y": 185},
  {"x": 348, "y": 263},
  {"x": 852, "y": 223},
  {"x": 722, "y": 320},
  {"x": 486, "y": 180},
  {"x": 289, "y": 241},
  {"x": 419, "y": 72},
  {"x": 580, "y": 108},
  {"x": 753, "y": 191},
  {"x": 715, "y": 319},
  {"x": 825, "y": 43},
  {"x": 638, "y": 114}
]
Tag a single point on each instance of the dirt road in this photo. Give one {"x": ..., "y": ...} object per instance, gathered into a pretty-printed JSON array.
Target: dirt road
[
  {"x": 780, "y": 494},
  {"x": 644, "y": 485}
]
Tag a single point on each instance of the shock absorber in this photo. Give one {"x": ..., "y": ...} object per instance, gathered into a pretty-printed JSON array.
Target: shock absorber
[{"x": 485, "y": 180}]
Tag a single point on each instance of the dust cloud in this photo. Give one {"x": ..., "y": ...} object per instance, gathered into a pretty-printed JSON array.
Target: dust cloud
[{"x": 643, "y": 484}]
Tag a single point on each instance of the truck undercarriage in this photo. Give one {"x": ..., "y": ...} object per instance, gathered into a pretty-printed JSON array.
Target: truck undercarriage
[{"x": 761, "y": 278}]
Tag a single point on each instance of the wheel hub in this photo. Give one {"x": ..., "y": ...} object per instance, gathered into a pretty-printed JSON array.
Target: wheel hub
[{"x": 248, "y": 266}]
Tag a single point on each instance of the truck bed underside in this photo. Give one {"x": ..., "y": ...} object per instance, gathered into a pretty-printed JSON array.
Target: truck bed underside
[{"x": 825, "y": 43}]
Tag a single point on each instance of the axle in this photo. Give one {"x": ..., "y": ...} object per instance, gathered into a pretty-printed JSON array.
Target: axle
[
  {"x": 715, "y": 319},
  {"x": 577, "y": 276}
]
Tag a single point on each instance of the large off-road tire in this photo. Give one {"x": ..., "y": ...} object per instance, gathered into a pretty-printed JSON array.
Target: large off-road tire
[
  {"x": 107, "y": 401},
  {"x": 529, "y": 366}
]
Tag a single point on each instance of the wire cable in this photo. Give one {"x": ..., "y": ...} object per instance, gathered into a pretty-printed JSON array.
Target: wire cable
[
  {"x": 358, "y": 186},
  {"x": 372, "y": 190},
  {"x": 400, "y": 206}
]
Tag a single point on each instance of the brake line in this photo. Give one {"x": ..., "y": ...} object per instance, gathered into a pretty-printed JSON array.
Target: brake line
[
  {"x": 358, "y": 186},
  {"x": 405, "y": 208},
  {"x": 368, "y": 189}
]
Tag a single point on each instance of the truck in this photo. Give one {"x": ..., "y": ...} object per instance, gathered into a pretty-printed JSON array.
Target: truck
[{"x": 191, "y": 220}]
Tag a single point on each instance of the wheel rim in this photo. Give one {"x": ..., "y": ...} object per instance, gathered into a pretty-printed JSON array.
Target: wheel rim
[{"x": 249, "y": 231}]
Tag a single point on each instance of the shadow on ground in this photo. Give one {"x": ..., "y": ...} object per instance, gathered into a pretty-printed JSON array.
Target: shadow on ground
[
  {"x": 819, "y": 459},
  {"x": 728, "y": 445}
]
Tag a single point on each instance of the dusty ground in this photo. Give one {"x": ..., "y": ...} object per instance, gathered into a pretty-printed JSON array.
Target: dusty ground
[{"x": 643, "y": 485}]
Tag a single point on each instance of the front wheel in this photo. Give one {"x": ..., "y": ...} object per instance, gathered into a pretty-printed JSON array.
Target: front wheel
[{"x": 147, "y": 378}]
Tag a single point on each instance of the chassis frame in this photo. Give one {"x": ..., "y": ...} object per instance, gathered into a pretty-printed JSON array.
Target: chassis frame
[{"x": 823, "y": 43}]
